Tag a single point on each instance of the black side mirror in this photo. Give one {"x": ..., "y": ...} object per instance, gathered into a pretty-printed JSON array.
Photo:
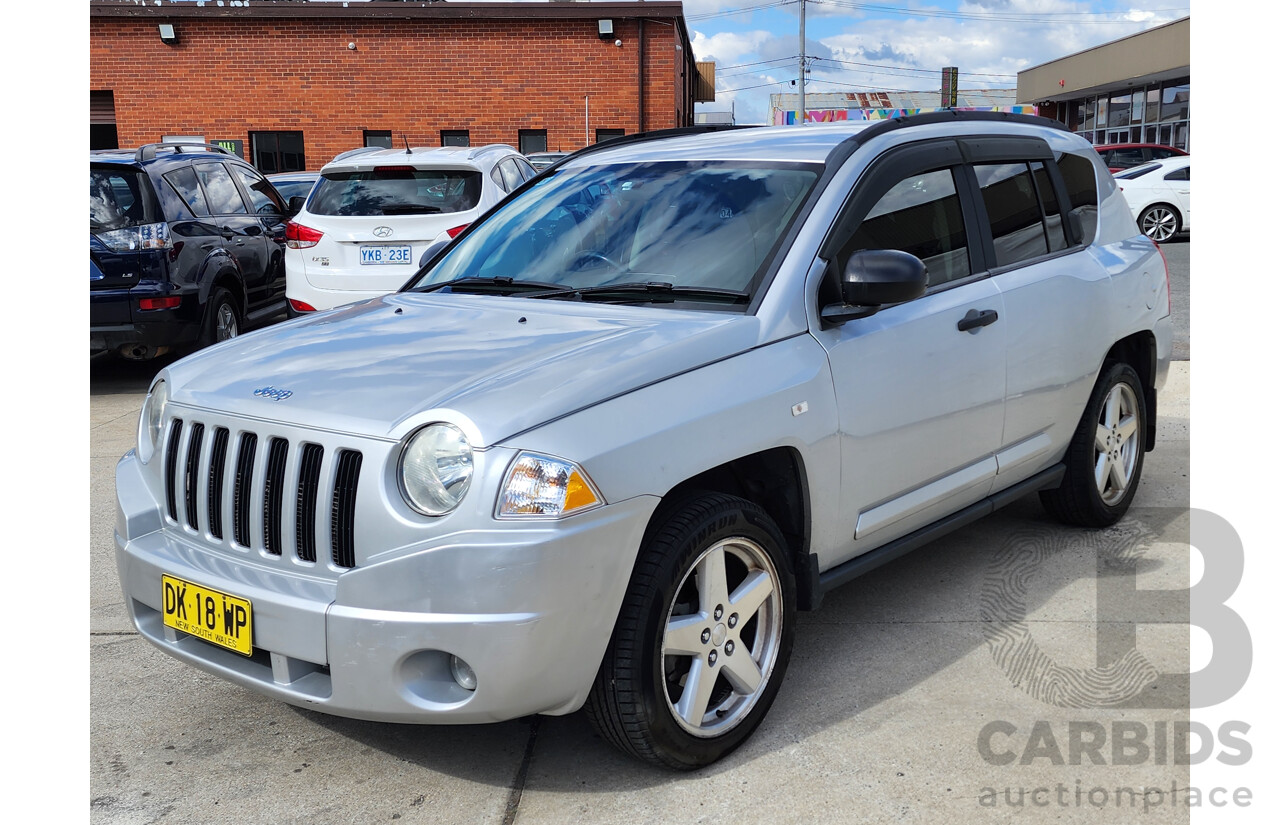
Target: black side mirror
[
  {"x": 431, "y": 252},
  {"x": 295, "y": 204},
  {"x": 873, "y": 278}
]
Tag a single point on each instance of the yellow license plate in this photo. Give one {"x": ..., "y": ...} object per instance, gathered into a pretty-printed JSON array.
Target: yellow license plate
[{"x": 209, "y": 614}]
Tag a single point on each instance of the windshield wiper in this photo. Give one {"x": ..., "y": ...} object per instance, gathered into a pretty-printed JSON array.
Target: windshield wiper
[
  {"x": 649, "y": 291},
  {"x": 499, "y": 283}
]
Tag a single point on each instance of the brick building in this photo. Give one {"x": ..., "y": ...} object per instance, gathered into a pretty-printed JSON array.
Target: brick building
[{"x": 290, "y": 84}]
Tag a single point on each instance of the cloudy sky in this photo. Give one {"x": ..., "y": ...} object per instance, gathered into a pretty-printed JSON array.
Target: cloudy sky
[{"x": 885, "y": 46}]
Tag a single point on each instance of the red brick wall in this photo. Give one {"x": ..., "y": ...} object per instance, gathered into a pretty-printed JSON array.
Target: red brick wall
[{"x": 227, "y": 77}]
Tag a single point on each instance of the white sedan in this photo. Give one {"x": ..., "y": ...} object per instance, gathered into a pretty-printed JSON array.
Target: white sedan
[{"x": 1159, "y": 194}]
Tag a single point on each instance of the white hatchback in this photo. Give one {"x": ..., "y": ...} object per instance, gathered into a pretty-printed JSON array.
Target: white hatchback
[{"x": 372, "y": 215}]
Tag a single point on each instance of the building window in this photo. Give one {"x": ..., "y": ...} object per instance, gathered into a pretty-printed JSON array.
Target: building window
[
  {"x": 278, "y": 152},
  {"x": 102, "y": 120},
  {"x": 455, "y": 137},
  {"x": 608, "y": 134},
  {"x": 533, "y": 140},
  {"x": 378, "y": 137}
]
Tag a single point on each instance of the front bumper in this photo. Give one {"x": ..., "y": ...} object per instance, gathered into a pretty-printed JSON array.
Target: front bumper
[{"x": 529, "y": 606}]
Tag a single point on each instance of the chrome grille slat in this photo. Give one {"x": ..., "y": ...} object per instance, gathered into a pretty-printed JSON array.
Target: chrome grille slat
[
  {"x": 308, "y": 493},
  {"x": 343, "y": 509},
  {"x": 217, "y": 468},
  {"x": 273, "y": 495},
  {"x": 192, "y": 474}
]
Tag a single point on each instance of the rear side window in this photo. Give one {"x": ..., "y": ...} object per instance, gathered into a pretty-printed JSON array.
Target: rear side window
[
  {"x": 395, "y": 190},
  {"x": 223, "y": 195},
  {"x": 1082, "y": 193},
  {"x": 1125, "y": 158},
  {"x": 921, "y": 215},
  {"x": 1179, "y": 174},
  {"x": 118, "y": 198},
  {"x": 188, "y": 188},
  {"x": 1054, "y": 229},
  {"x": 1014, "y": 211}
]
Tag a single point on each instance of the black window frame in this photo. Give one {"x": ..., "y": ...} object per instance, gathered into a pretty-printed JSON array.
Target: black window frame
[
  {"x": 243, "y": 175},
  {"x": 256, "y": 154},
  {"x": 531, "y": 134},
  {"x": 959, "y": 154},
  {"x": 447, "y": 136},
  {"x": 378, "y": 134}
]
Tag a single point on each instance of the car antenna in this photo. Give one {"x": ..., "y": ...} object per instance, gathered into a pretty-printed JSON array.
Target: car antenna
[{"x": 407, "y": 150}]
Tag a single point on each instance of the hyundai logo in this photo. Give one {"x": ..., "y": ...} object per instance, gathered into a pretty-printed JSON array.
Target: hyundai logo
[
  {"x": 382, "y": 232},
  {"x": 272, "y": 393}
]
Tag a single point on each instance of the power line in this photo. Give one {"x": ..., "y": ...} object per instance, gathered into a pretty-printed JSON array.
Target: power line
[
  {"x": 727, "y": 12},
  {"x": 906, "y": 68},
  {"x": 1004, "y": 17}
]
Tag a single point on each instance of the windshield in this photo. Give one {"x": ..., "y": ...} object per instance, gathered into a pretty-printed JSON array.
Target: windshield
[
  {"x": 395, "y": 190},
  {"x": 687, "y": 225}
]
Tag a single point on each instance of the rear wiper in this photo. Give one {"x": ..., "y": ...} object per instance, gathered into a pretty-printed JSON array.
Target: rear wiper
[
  {"x": 649, "y": 291},
  {"x": 499, "y": 283}
]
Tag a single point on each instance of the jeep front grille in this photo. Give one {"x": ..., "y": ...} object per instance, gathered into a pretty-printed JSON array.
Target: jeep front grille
[{"x": 287, "y": 490}]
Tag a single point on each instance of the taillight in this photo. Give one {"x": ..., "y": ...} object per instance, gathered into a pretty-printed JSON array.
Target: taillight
[
  {"x": 301, "y": 306},
  {"x": 453, "y": 233},
  {"x": 1167, "y": 288},
  {"x": 134, "y": 238},
  {"x": 167, "y": 302},
  {"x": 297, "y": 236}
]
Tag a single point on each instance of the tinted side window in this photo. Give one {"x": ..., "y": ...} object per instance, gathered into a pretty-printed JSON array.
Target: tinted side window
[
  {"x": 1179, "y": 174},
  {"x": 224, "y": 198},
  {"x": 1082, "y": 192},
  {"x": 1054, "y": 228},
  {"x": 1125, "y": 158},
  {"x": 921, "y": 215},
  {"x": 496, "y": 174},
  {"x": 185, "y": 184},
  {"x": 1161, "y": 154},
  {"x": 510, "y": 174},
  {"x": 1014, "y": 211},
  {"x": 264, "y": 198},
  {"x": 525, "y": 168}
]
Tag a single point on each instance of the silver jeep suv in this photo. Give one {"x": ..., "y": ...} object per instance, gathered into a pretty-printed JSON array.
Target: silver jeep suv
[{"x": 616, "y": 434}]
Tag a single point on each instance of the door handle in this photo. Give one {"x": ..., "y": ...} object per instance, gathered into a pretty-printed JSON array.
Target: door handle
[
  {"x": 973, "y": 320},
  {"x": 227, "y": 233}
]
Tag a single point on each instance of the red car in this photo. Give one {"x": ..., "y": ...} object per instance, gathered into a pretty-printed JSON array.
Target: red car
[{"x": 1119, "y": 156}]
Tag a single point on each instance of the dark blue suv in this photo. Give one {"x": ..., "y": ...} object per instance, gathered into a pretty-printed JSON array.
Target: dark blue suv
[{"x": 186, "y": 247}]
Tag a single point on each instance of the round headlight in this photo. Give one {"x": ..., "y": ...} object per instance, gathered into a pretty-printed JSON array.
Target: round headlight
[
  {"x": 435, "y": 469},
  {"x": 152, "y": 420}
]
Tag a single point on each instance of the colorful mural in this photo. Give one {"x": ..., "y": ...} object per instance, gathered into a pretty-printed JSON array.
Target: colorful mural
[{"x": 789, "y": 118}]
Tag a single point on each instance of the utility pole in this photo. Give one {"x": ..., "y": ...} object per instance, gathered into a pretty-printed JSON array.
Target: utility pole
[{"x": 800, "y": 82}]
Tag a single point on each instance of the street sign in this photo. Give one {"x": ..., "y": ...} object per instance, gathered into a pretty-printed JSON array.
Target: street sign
[{"x": 950, "y": 86}]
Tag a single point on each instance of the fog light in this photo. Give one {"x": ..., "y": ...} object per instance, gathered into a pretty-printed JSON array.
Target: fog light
[{"x": 462, "y": 673}]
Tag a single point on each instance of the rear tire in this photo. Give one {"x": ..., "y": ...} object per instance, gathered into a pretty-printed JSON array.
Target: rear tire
[
  {"x": 222, "y": 318},
  {"x": 1160, "y": 222},
  {"x": 703, "y": 637},
  {"x": 1104, "y": 460}
]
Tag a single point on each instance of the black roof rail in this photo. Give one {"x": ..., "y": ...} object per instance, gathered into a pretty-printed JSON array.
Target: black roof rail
[
  {"x": 954, "y": 115},
  {"x": 148, "y": 152},
  {"x": 642, "y": 137}
]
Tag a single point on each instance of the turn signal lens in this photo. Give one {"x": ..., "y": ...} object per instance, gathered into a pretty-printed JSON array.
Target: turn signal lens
[
  {"x": 541, "y": 486},
  {"x": 457, "y": 230}
]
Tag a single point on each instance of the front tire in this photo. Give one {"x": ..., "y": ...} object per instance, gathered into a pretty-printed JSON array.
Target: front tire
[
  {"x": 703, "y": 638},
  {"x": 1104, "y": 460},
  {"x": 1160, "y": 222}
]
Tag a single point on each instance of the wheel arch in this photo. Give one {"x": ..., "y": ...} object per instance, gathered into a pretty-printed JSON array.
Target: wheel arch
[
  {"x": 1139, "y": 351},
  {"x": 776, "y": 481}
]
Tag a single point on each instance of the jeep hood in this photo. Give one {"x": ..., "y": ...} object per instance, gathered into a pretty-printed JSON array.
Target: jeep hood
[{"x": 507, "y": 364}]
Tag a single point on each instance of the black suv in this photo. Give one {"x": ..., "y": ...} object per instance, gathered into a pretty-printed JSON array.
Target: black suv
[{"x": 186, "y": 246}]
